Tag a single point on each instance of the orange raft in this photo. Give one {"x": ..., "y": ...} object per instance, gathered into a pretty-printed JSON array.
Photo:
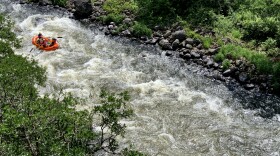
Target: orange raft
[{"x": 48, "y": 41}]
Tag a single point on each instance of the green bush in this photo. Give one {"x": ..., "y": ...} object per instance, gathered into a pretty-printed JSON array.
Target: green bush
[
  {"x": 226, "y": 64},
  {"x": 276, "y": 77},
  {"x": 262, "y": 63},
  {"x": 59, "y": 2},
  {"x": 154, "y": 12},
  {"x": 139, "y": 29},
  {"x": 113, "y": 18},
  {"x": 6, "y": 33},
  {"x": 206, "y": 42},
  {"x": 235, "y": 51},
  {"x": 118, "y": 6},
  {"x": 270, "y": 43},
  {"x": 219, "y": 57}
]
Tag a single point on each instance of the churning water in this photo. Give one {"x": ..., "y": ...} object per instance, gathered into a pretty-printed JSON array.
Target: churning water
[{"x": 176, "y": 112}]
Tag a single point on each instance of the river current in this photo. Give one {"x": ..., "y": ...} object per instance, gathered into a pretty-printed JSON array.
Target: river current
[{"x": 177, "y": 112}]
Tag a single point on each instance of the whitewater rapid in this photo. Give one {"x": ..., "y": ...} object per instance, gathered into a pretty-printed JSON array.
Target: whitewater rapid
[{"x": 177, "y": 112}]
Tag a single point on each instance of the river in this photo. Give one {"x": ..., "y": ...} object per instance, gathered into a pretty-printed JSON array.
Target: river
[{"x": 177, "y": 112}]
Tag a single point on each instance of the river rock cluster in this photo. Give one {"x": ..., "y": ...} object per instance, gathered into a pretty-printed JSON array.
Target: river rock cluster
[{"x": 175, "y": 43}]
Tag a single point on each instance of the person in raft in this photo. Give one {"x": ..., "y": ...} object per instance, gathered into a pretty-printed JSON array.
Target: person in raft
[
  {"x": 53, "y": 42},
  {"x": 41, "y": 41}
]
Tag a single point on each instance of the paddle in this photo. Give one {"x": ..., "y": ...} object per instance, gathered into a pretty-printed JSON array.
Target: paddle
[{"x": 31, "y": 50}]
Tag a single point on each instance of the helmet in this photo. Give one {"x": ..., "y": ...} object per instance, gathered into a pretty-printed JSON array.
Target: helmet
[{"x": 40, "y": 35}]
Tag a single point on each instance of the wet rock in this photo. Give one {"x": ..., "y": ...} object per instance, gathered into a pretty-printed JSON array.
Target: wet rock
[
  {"x": 210, "y": 63},
  {"x": 249, "y": 86},
  {"x": 227, "y": 73},
  {"x": 213, "y": 51},
  {"x": 195, "y": 54},
  {"x": 218, "y": 76},
  {"x": 165, "y": 45},
  {"x": 180, "y": 35},
  {"x": 154, "y": 40},
  {"x": 126, "y": 33},
  {"x": 188, "y": 46},
  {"x": 187, "y": 56},
  {"x": 175, "y": 44},
  {"x": 167, "y": 34},
  {"x": 216, "y": 65},
  {"x": 169, "y": 53},
  {"x": 189, "y": 41},
  {"x": 243, "y": 77},
  {"x": 157, "y": 34},
  {"x": 199, "y": 46},
  {"x": 127, "y": 21}
]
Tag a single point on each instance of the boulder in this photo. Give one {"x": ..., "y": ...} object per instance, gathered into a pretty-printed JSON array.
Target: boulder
[
  {"x": 180, "y": 35},
  {"x": 83, "y": 8},
  {"x": 165, "y": 45}
]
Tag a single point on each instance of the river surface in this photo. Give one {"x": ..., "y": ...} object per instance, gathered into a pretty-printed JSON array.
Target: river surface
[{"x": 177, "y": 112}]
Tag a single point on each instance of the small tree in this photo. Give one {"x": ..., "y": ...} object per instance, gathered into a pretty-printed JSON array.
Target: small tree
[{"x": 112, "y": 109}]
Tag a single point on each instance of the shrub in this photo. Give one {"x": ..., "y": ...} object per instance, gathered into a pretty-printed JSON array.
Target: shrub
[
  {"x": 269, "y": 44},
  {"x": 118, "y": 6},
  {"x": 113, "y": 18},
  {"x": 139, "y": 29},
  {"x": 206, "y": 41},
  {"x": 276, "y": 77},
  {"x": 152, "y": 12},
  {"x": 219, "y": 57},
  {"x": 262, "y": 63},
  {"x": 59, "y": 2},
  {"x": 226, "y": 64}
]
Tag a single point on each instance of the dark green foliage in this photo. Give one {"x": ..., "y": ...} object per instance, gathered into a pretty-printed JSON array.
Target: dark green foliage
[
  {"x": 226, "y": 64},
  {"x": 6, "y": 33},
  {"x": 276, "y": 77},
  {"x": 112, "y": 109},
  {"x": 59, "y": 2},
  {"x": 112, "y": 18},
  {"x": 45, "y": 126},
  {"x": 262, "y": 63},
  {"x": 139, "y": 29},
  {"x": 153, "y": 12}
]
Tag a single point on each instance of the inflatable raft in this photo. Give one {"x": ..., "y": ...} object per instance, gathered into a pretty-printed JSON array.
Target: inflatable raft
[{"x": 48, "y": 42}]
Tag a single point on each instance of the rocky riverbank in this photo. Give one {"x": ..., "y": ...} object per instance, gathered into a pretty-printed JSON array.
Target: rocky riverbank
[{"x": 176, "y": 43}]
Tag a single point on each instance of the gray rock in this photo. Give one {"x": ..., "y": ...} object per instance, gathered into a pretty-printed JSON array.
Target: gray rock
[
  {"x": 167, "y": 34},
  {"x": 210, "y": 63},
  {"x": 180, "y": 35},
  {"x": 189, "y": 41},
  {"x": 243, "y": 77},
  {"x": 188, "y": 46},
  {"x": 126, "y": 33},
  {"x": 157, "y": 34},
  {"x": 175, "y": 44},
  {"x": 213, "y": 51},
  {"x": 227, "y": 73},
  {"x": 165, "y": 45},
  {"x": 187, "y": 56},
  {"x": 154, "y": 40},
  {"x": 249, "y": 86},
  {"x": 195, "y": 54},
  {"x": 127, "y": 21}
]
